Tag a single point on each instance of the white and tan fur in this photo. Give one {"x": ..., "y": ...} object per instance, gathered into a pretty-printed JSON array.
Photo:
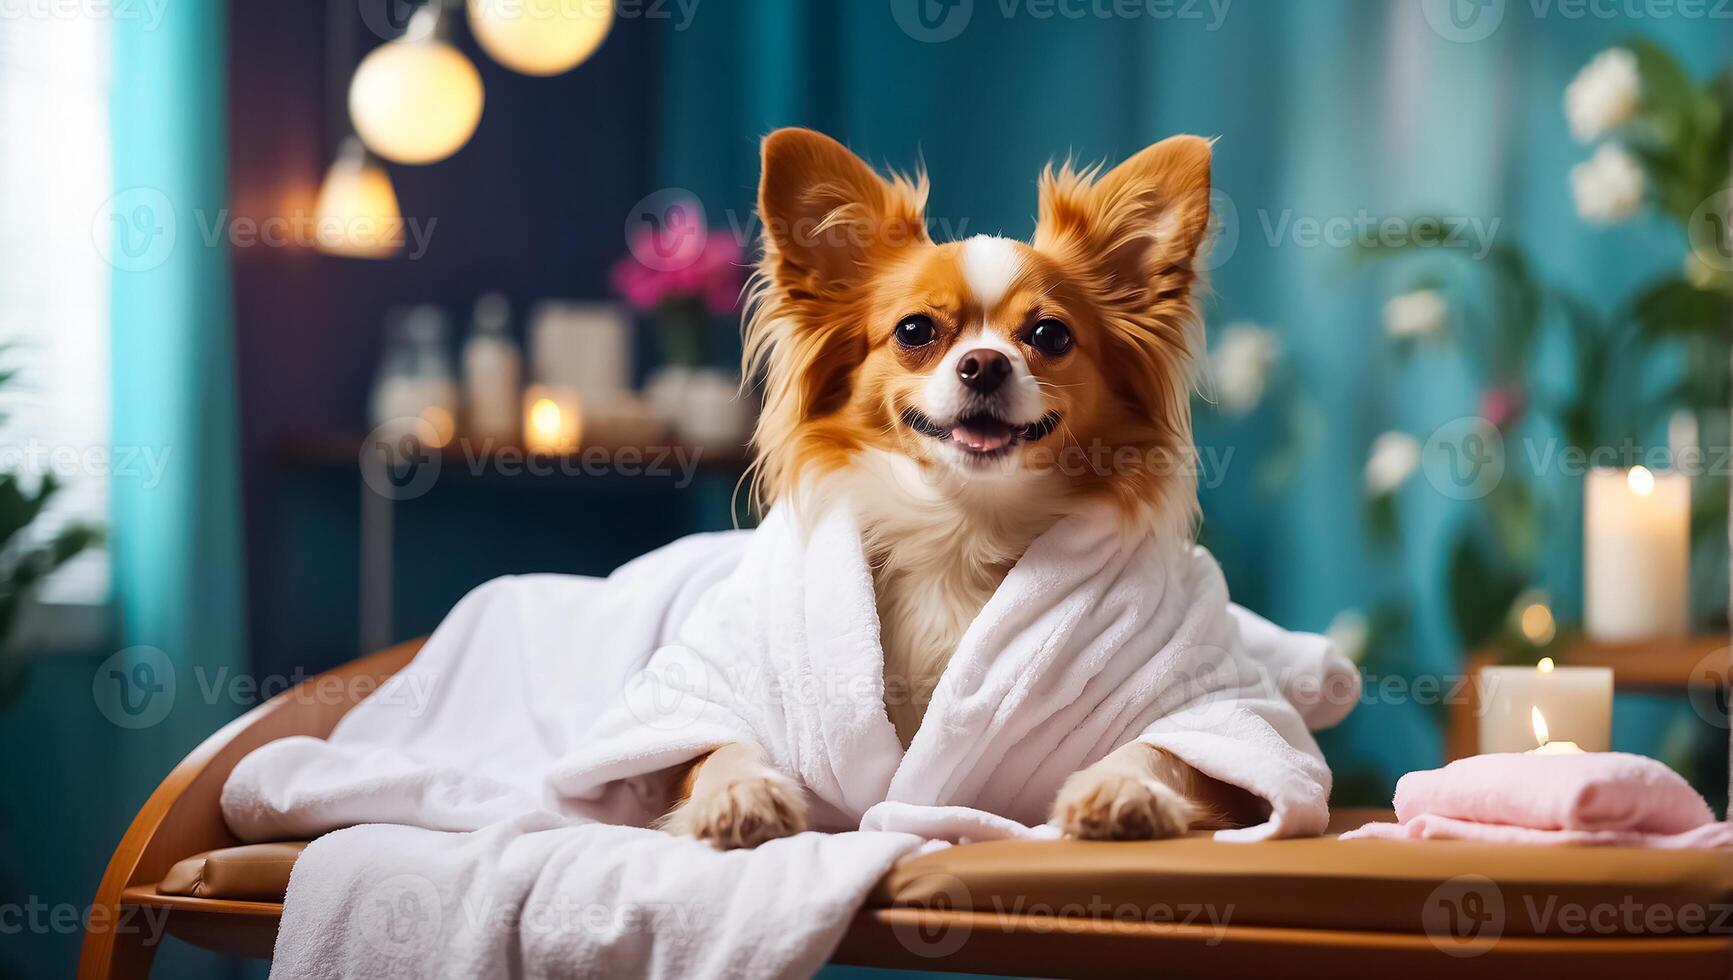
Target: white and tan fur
[{"x": 941, "y": 528}]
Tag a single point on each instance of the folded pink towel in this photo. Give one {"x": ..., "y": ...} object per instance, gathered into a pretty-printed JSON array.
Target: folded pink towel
[
  {"x": 1432, "y": 827},
  {"x": 1604, "y": 798}
]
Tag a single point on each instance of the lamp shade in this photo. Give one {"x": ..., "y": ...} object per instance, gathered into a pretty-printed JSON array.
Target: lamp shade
[
  {"x": 540, "y": 37},
  {"x": 416, "y": 99},
  {"x": 357, "y": 214}
]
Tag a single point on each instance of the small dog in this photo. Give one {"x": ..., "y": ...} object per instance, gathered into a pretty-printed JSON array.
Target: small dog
[{"x": 961, "y": 398}]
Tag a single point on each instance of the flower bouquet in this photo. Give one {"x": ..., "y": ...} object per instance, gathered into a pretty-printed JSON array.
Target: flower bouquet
[
  {"x": 1662, "y": 142},
  {"x": 682, "y": 276}
]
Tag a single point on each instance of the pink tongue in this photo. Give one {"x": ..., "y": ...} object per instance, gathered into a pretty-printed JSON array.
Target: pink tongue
[{"x": 981, "y": 442}]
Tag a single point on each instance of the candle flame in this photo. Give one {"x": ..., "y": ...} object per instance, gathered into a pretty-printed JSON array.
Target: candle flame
[
  {"x": 545, "y": 417},
  {"x": 1539, "y": 720},
  {"x": 1641, "y": 481},
  {"x": 1545, "y": 666}
]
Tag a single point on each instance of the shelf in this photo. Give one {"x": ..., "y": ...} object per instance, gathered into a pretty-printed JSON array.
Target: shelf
[
  {"x": 509, "y": 461},
  {"x": 1666, "y": 665},
  {"x": 1659, "y": 665}
]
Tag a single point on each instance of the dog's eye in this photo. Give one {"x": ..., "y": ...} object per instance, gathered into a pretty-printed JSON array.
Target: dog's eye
[
  {"x": 915, "y": 331},
  {"x": 1050, "y": 337}
]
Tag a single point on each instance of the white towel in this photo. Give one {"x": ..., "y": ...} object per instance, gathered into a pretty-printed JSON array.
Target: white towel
[{"x": 544, "y": 705}]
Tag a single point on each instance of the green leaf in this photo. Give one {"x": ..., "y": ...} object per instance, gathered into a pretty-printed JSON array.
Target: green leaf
[
  {"x": 1426, "y": 233},
  {"x": 1666, "y": 84},
  {"x": 1516, "y": 517},
  {"x": 1682, "y": 132},
  {"x": 18, "y": 509},
  {"x": 1709, "y": 509},
  {"x": 1381, "y": 523},
  {"x": 1674, "y": 307},
  {"x": 1519, "y": 308},
  {"x": 1387, "y": 648},
  {"x": 23, "y": 568},
  {"x": 1719, "y": 154},
  {"x": 1480, "y": 593}
]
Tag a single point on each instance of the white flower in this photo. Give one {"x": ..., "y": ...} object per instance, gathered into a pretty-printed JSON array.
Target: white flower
[
  {"x": 1605, "y": 94},
  {"x": 1414, "y": 314},
  {"x": 1240, "y": 366},
  {"x": 1394, "y": 456},
  {"x": 1608, "y": 187},
  {"x": 1348, "y": 633}
]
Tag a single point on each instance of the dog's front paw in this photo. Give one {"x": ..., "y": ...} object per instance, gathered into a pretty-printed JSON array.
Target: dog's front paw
[
  {"x": 1120, "y": 805},
  {"x": 740, "y": 812}
]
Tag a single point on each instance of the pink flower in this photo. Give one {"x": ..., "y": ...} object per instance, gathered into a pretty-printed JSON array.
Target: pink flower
[
  {"x": 680, "y": 261},
  {"x": 1501, "y": 407},
  {"x": 640, "y": 286}
]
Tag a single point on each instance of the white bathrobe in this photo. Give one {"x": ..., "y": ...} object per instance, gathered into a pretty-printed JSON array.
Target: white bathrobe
[{"x": 547, "y": 706}]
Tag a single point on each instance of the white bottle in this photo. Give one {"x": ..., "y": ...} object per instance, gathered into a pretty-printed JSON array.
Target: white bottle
[
  {"x": 415, "y": 394},
  {"x": 492, "y": 373}
]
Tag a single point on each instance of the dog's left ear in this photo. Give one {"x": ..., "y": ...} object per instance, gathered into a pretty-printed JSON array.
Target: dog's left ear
[{"x": 1141, "y": 225}]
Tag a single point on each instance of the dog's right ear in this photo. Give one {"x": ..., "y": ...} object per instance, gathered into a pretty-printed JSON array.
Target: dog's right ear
[{"x": 827, "y": 215}]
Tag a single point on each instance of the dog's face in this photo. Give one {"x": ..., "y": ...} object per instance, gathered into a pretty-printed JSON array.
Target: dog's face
[
  {"x": 984, "y": 358},
  {"x": 981, "y": 349}
]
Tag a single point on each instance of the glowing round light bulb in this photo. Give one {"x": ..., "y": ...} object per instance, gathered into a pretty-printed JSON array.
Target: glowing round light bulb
[
  {"x": 540, "y": 37},
  {"x": 1539, "y": 627},
  {"x": 357, "y": 214},
  {"x": 1641, "y": 481},
  {"x": 416, "y": 99}
]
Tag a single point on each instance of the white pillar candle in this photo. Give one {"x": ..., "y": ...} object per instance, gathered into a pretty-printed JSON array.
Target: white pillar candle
[
  {"x": 586, "y": 347},
  {"x": 553, "y": 422},
  {"x": 1636, "y": 554},
  {"x": 1577, "y": 703}
]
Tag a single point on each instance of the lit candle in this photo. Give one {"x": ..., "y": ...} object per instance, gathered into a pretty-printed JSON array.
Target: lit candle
[
  {"x": 1577, "y": 701},
  {"x": 1547, "y": 745},
  {"x": 552, "y": 421},
  {"x": 1636, "y": 554}
]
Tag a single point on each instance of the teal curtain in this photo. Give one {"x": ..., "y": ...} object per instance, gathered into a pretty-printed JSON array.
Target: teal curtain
[
  {"x": 1325, "y": 109},
  {"x": 176, "y": 542}
]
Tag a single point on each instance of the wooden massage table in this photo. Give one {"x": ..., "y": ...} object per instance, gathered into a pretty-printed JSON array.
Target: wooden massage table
[{"x": 1178, "y": 908}]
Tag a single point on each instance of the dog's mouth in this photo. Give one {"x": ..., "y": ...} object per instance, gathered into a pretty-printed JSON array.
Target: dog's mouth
[{"x": 981, "y": 433}]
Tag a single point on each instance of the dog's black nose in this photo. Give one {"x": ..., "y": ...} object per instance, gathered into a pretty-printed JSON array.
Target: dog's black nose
[{"x": 984, "y": 370}]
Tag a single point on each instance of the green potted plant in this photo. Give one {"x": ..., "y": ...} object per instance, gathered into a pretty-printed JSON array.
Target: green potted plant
[{"x": 25, "y": 560}]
